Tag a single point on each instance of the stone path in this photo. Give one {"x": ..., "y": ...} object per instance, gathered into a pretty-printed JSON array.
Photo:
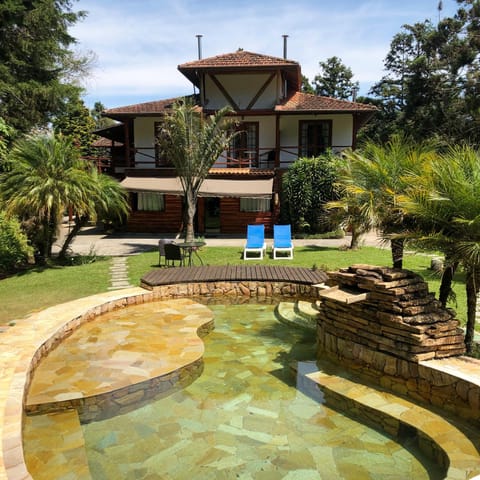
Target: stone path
[{"x": 119, "y": 274}]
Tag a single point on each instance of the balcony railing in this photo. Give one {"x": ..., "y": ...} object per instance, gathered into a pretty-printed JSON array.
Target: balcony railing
[{"x": 261, "y": 158}]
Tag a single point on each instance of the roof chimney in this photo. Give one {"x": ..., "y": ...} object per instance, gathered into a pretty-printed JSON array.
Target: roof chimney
[
  {"x": 285, "y": 46},
  {"x": 199, "y": 43}
]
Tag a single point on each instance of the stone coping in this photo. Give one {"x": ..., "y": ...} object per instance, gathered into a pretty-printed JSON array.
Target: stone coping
[
  {"x": 437, "y": 436},
  {"x": 22, "y": 346}
]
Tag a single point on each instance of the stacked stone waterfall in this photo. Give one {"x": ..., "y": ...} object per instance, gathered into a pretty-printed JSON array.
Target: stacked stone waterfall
[{"x": 387, "y": 310}]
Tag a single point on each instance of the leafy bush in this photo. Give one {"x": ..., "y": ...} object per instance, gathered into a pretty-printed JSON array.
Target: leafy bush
[
  {"x": 14, "y": 248},
  {"x": 307, "y": 186}
]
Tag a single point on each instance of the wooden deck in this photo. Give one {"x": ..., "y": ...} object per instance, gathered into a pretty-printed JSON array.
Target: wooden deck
[{"x": 233, "y": 273}]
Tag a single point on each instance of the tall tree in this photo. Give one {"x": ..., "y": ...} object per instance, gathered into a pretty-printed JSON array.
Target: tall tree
[
  {"x": 335, "y": 80},
  {"x": 306, "y": 85},
  {"x": 6, "y": 135},
  {"x": 76, "y": 123},
  {"x": 37, "y": 66},
  {"x": 193, "y": 143},
  {"x": 432, "y": 77},
  {"x": 43, "y": 178},
  {"x": 100, "y": 121}
]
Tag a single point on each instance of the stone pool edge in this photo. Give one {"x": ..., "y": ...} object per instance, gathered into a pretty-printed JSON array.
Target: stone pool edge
[{"x": 24, "y": 345}]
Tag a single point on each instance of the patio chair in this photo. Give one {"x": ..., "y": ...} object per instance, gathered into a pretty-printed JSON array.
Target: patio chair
[
  {"x": 255, "y": 242},
  {"x": 173, "y": 253},
  {"x": 282, "y": 242},
  {"x": 161, "y": 249}
]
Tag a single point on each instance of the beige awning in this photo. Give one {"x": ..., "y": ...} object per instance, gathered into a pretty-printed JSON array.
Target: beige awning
[
  {"x": 210, "y": 187},
  {"x": 170, "y": 185}
]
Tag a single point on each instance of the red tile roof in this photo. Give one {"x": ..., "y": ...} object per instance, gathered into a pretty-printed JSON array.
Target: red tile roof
[
  {"x": 305, "y": 102},
  {"x": 147, "y": 108},
  {"x": 239, "y": 59},
  {"x": 299, "y": 102}
]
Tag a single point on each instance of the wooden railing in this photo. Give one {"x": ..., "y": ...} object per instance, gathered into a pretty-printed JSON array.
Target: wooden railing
[{"x": 260, "y": 158}]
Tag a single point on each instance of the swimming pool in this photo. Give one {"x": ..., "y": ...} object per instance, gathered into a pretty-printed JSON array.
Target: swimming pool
[{"x": 251, "y": 414}]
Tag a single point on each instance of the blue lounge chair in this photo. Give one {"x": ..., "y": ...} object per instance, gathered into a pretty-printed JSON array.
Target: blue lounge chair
[
  {"x": 255, "y": 242},
  {"x": 282, "y": 242}
]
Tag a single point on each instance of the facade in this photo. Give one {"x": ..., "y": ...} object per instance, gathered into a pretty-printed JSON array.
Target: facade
[{"x": 278, "y": 124}]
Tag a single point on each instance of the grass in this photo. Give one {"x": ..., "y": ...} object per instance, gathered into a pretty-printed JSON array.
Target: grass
[
  {"x": 40, "y": 288},
  {"x": 37, "y": 289}
]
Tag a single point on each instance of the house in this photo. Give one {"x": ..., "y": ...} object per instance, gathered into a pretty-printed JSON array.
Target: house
[{"x": 278, "y": 122}]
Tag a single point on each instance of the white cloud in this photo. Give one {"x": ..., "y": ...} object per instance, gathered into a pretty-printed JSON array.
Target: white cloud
[{"x": 139, "y": 43}]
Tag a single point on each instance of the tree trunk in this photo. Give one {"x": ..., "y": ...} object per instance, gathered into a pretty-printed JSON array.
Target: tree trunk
[
  {"x": 471, "y": 288},
  {"x": 356, "y": 235},
  {"x": 191, "y": 209},
  {"x": 446, "y": 283},
  {"x": 79, "y": 223},
  {"x": 51, "y": 227},
  {"x": 396, "y": 246}
]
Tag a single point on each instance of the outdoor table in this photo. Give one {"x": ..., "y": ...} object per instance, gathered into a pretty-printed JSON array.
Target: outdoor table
[{"x": 190, "y": 248}]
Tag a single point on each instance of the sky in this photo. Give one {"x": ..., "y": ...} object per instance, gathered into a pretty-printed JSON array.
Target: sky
[{"x": 138, "y": 44}]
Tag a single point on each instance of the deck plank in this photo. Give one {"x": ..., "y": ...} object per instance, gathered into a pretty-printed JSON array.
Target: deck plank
[{"x": 166, "y": 276}]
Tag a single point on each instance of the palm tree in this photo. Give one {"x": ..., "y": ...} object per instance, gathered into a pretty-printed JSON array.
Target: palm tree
[
  {"x": 193, "y": 143},
  {"x": 107, "y": 201},
  {"x": 353, "y": 209},
  {"x": 447, "y": 206},
  {"x": 44, "y": 176},
  {"x": 375, "y": 180}
]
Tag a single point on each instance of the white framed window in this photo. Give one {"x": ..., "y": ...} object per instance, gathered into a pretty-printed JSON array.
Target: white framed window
[
  {"x": 255, "y": 204},
  {"x": 150, "y": 201}
]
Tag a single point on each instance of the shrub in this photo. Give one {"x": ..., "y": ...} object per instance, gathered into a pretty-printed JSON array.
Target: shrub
[
  {"x": 307, "y": 186},
  {"x": 14, "y": 248}
]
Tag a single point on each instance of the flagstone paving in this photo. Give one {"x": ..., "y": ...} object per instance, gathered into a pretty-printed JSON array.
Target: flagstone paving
[
  {"x": 119, "y": 273},
  {"x": 117, "y": 352}
]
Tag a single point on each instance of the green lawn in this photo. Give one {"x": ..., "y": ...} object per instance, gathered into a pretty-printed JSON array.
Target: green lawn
[{"x": 37, "y": 289}]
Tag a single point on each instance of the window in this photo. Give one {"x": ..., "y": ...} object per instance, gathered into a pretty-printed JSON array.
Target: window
[
  {"x": 255, "y": 204},
  {"x": 244, "y": 147},
  {"x": 150, "y": 202},
  {"x": 315, "y": 137},
  {"x": 160, "y": 159}
]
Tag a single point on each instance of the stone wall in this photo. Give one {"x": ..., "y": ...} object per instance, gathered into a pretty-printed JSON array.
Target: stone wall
[
  {"x": 385, "y": 325},
  {"x": 248, "y": 289},
  {"x": 391, "y": 311}
]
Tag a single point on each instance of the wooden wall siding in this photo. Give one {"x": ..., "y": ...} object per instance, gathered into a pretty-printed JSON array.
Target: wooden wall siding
[
  {"x": 232, "y": 220},
  {"x": 168, "y": 221}
]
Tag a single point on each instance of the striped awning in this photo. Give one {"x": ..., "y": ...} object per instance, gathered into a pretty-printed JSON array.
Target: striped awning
[{"x": 210, "y": 187}]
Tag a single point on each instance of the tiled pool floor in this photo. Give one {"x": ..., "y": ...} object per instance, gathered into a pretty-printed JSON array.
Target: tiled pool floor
[
  {"x": 226, "y": 434},
  {"x": 118, "y": 351}
]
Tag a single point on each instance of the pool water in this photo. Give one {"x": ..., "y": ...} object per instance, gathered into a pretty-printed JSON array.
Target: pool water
[{"x": 245, "y": 418}]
